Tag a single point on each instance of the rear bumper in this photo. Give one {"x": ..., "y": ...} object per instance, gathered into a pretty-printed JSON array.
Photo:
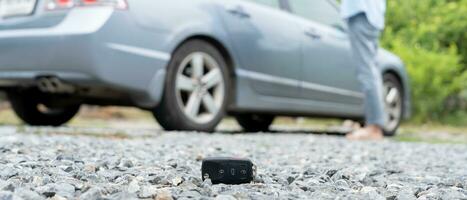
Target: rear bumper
[{"x": 89, "y": 47}]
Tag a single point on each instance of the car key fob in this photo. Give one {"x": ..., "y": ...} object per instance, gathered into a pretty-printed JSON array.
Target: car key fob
[{"x": 228, "y": 170}]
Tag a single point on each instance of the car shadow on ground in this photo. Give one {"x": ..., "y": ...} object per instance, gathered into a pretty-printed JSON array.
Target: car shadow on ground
[{"x": 300, "y": 131}]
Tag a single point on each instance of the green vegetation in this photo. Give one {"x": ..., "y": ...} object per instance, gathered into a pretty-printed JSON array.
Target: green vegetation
[
  {"x": 419, "y": 139},
  {"x": 432, "y": 133},
  {"x": 431, "y": 38}
]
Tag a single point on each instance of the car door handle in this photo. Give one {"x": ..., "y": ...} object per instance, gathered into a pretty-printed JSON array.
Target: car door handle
[
  {"x": 313, "y": 34},
  {"x": 238, "y": 11}
]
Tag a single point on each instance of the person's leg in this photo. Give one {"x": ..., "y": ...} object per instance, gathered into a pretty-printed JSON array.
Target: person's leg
[{"x": 364, "y": 40}]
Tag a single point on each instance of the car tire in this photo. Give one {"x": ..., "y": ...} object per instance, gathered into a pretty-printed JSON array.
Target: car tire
[
  {"x": 254, "y": 122},
  {"x": 393, "y": 98},
  {"x": 31, "y": 109},
  {"x": 196, "y": 89}
]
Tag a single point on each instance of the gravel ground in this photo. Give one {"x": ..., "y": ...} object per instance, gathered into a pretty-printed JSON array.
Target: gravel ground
[{"x": 83, "y": 163}]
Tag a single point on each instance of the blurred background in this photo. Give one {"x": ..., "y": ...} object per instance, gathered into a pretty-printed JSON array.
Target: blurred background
[{"x": 431, "y": 39}]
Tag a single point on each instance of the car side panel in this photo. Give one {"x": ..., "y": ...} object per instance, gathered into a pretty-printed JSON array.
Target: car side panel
[{"x": 267, "y": 42}]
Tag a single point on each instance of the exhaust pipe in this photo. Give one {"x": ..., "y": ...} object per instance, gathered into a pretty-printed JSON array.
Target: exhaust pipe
[{"x": 54, "y": 85}]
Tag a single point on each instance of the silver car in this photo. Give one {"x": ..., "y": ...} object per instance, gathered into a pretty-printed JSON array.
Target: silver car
[{"x": 189, "y": 62}]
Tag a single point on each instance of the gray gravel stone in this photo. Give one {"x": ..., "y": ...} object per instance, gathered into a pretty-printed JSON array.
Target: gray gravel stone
[
  {"x": 148, "y": 192},
  {"x": 166, "y": 166},
  {"x": 7, "y": 186},
  {"x": 7, "y": 172},
  {"x": 225, "y": 197},
  {"x": 60, "y": 189},
  {"x": 27, "y": 194},
  {"x": 122, "y": 196},
  {"x": 405, "y": 194},
  {"x": 57, "y": 197},
  {"x": 164, "y": 194},
  {"x": 6, "y": 195},
  {"x": 134, "y": 186},
  {"x": 93, "y": 193}
]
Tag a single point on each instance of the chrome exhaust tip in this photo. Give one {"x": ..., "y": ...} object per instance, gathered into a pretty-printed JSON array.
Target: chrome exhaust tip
[{"x": 54, "y": 85}]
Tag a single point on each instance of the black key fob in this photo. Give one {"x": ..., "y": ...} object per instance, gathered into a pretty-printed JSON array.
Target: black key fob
[{"x": 228, "y": 170}]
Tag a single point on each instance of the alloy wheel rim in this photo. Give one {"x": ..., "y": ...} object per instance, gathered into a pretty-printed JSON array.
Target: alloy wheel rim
[
  {"x": 199, "y": 87},
  {"x": 393, "y": 105}
]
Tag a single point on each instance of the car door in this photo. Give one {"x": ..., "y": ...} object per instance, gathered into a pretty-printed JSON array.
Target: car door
[
  {"x": 266, "y": 41},
  {"x": 328, "y": 70}
]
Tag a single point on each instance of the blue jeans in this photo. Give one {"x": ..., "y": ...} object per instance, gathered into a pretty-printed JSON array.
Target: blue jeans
[{"x": 364, "y": 39}]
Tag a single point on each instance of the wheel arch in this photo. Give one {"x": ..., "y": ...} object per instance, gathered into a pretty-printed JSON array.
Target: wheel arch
[
  {"x": 396, "y": 74},
  {"x": 216, "y": 43}
]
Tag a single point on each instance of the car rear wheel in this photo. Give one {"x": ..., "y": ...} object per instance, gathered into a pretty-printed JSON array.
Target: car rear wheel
[
  {"x": 35, "y": 110},
  {"x": 393, "y": 99},
  {"x": 196, "y": 89},
  {"x": 254, "y": 122}
]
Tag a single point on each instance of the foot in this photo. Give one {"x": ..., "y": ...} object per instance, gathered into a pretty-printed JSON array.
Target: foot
[{"x": 368, "y": 133}]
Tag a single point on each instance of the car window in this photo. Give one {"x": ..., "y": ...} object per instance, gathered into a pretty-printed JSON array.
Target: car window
[
  {"x": 271, "y": 3},
  {"x": 321, "y": 11}
]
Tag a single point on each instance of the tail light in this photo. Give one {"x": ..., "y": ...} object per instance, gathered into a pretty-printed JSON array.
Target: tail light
[{"x": 67, "y": 4}]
